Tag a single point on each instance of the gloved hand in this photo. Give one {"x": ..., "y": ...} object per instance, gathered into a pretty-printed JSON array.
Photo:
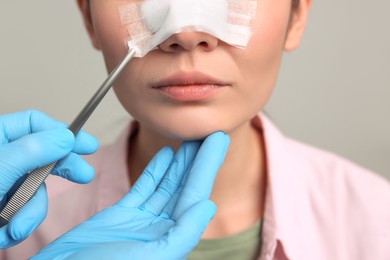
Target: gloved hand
[
  {"x": 30, "y": 140},
  {"x": 153, "y": 221}
]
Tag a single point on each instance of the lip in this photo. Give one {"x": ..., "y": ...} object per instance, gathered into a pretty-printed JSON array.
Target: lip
[{"x": 189, "y": 86}]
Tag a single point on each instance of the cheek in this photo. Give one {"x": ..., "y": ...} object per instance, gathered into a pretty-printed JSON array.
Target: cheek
[
  {"x": 260, "y": 61},
  {"x": 109, "y": 32}
]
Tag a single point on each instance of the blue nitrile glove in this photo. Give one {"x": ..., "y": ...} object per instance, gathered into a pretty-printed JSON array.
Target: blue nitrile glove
[
  {"x": 152, "y": 221},
  {"x": 30, "y": 140}
]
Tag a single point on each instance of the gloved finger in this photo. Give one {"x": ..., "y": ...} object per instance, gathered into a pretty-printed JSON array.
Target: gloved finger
[
  {"x": 172, "y": 180},
  {"x": 74, "y": 168},
  {"x": 171, "y": 206},
  {"x": 5, "y": 240},
  {"x": 188, "y": 158},
  {"x": 31, "y": 152},
  {"x": 85, "y": 143},
  {"x": 19, "y": 124},
  {"x": 198, "y": 185},
  {"x": 29, "y": 217},
  {"x": 23, "y": 123},
  {"x": 185, "y": 235},
  {"x": 149, "y": 179}
]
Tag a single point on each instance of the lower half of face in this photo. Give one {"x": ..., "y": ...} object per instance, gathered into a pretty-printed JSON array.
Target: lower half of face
[{"x": 185, "y": 92}]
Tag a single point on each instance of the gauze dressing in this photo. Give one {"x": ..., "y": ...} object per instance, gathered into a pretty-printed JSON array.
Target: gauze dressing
[{"x": 150, "y": 22}]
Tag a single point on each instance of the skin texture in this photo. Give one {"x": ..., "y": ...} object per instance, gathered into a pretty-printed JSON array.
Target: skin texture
[{"x": 248, "y": 75}]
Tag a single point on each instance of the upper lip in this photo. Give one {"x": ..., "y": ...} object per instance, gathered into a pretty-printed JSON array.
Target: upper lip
[{"x": 189, "y": 79}]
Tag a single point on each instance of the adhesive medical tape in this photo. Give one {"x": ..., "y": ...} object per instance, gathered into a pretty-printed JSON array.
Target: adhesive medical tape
[{"x": 150, "y": 22}]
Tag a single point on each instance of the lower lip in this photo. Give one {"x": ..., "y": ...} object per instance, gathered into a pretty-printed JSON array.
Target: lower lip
[{"x": 190, "y": 93}]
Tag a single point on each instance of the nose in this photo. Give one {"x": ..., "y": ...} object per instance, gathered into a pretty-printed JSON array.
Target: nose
[{"x": 188, "y": 41}]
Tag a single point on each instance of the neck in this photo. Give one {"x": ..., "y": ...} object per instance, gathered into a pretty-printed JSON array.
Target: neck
[{"x": 239, "y": 186}]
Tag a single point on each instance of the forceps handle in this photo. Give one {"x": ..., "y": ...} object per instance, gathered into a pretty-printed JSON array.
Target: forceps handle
[{"x": 35, "y": 178}]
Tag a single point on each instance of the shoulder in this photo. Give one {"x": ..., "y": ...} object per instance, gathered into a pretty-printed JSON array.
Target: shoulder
[
  {"x": 329, "y": 168},
  {"x": 337, "y": 209},
  {"x": 350, "y": 205},
  {"x": 291, "y": 159}
]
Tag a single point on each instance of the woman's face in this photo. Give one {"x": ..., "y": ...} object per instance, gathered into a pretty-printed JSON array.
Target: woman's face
[{"x": 195, "y": 84}]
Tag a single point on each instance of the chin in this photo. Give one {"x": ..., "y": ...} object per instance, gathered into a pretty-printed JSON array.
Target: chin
[
  {"x": 189, "y": 135},
  {"x": 186, "y": 124},
  {"x": 189, "y": 131}
]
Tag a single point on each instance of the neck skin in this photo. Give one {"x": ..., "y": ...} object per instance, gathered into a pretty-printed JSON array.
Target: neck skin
[{"x": 239, "y": 187}]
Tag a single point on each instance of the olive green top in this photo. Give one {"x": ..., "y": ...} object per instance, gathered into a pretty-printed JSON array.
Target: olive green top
[{"x": 243, "y": 246}]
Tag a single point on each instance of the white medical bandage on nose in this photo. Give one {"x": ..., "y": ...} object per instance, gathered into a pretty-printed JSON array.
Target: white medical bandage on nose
[{"x": 150, "y": 22}]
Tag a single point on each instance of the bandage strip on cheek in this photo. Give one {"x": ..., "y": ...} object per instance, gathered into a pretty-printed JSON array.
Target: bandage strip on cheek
[{"x": 151, "y": 22}]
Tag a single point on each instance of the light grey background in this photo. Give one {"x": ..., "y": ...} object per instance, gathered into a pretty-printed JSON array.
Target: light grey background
[{"x": 333, "y": 92}]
